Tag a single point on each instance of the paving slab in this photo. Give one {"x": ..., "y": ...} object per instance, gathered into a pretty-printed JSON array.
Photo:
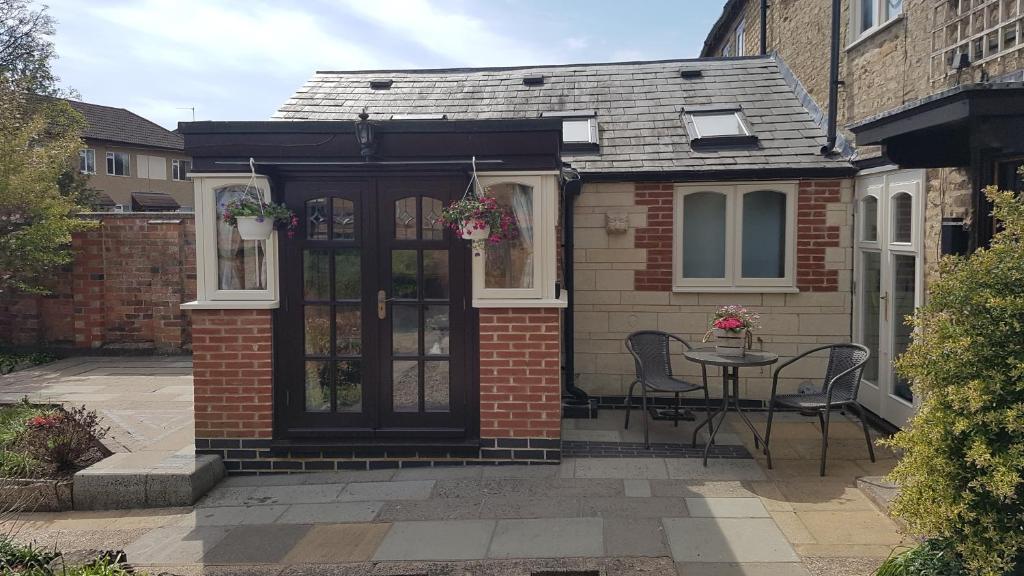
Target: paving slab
[
  {"x": 175, "y": 545},
  {"x": 717, "y": 469},
  {"x": 854, "y": 527},
  {"x": 432, "y": 509},
  {"x": 548, "y": 538},
  {"x": 535, "y": 472},
  {"x": 643, "y": 468},
  {"x": 394, "y": 490},
  {"x": 268, "y": 495},
  {"x": 439, "y": 473},
  {"x": 441, "y": 540},
  {"x": 338, "y": 543},
  {"x": 637, "y": 488},
  {"x": 627, "y": 537},
  {"x": 727, "y": 540},
  {"x": 329, "y": 513},
  {"x": 235, "y": 515},
  {"x": 726, "y": 507},
  {"x": 264, "y": 544},
  {"x": 619, "y": 507},
  {"x": 735, "y": 569},
  {"x": 702, "y": 488}
]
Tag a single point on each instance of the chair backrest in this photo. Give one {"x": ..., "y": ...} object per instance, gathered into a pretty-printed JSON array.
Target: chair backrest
[
  {"x": 842, "y": 357},
  {"x": 650, "y": 350}
]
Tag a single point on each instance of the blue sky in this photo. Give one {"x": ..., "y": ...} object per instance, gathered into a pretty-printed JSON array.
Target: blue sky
[{"x": 240, "y": 59}]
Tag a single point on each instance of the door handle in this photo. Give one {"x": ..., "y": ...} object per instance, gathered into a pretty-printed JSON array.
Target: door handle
[
  {"x": 884, "y": 297},
  {"x": 382, "y": 304}
]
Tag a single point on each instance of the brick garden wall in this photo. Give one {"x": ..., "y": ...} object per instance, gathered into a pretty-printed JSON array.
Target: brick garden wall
[
  {"x": 624, "y": 284},
  {"x": 124, "y": 289}
]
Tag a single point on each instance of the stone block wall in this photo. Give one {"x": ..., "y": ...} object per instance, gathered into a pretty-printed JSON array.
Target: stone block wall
[
  {"x": 123, "y": 290},
  {"x": 623, "y": 284}
]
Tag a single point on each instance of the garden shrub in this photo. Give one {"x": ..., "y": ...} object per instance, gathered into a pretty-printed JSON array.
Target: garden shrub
[
  {"x": 63, "y": 438},
  {"x": 961, "y": 475},
  {"x": 933, "y": 557}
]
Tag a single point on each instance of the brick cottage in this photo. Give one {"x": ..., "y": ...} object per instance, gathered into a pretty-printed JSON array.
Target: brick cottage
[{"x": 645, "y": 195}]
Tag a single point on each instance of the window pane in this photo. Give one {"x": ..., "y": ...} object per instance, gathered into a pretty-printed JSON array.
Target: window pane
[
  {"x": 344, "y": 216},
  {"x": 241, "y": 264},
  {"x": 318, "y": 386},
  {"x": 405, "y": 218},
  {"x": 432, "y": 228},
  {"x": 435, "y": 337},
  {"x": 510, "y": 263},
  {"x": 764, "y": 235},
  {"x": 403, "y": 274},
  {"x": 405, "y": 386},
  {"x": 316, "y": 219},
  {"x": 869, "y": 219},
  {"x": 435, "y": 274},
  {"x": 316, "y": 274},
  {"x": 348, "y": 377},
  {"x": 405, "y": 329},
  {"x": 718, "y": 124},
  {"x": 576, "y": 130},
  {"x": 893, "y": 8},
  {"x": 902, "y": 217},
  {"x": 867, "y": 14},
  {"x": 348, "y": 331},
  {"x": 904, "y": 292},
  {"x": 704, "y": 235},
  {"x": 435, "y": 387},
  {"x": 871, "y": 278},
  {"x": 347, "y": 274},
  {"x": 317, "y": 330}
]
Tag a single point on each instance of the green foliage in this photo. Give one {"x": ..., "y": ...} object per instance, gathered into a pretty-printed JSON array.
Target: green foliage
[
  {"x": 932, "y": 557},
  {"x": 24, "y": 558},
  {"x": 26, "y": 48},
  {"x": 14, "y": 462},
  {"x": 962, "y": 472}
]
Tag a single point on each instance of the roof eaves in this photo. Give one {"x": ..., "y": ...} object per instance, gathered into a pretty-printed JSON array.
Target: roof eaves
[{"x": 724, "y": 22}]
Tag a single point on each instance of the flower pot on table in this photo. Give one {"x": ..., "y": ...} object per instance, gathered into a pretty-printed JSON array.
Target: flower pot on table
[
  {"x": 730, "y": 342},
  {"x": 254, "y": 227}
]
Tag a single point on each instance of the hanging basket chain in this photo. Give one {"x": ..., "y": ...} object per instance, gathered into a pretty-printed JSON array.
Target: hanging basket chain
[{"x": 251, "y": 185}]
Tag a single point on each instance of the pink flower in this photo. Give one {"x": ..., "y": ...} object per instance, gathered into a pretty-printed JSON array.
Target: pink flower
[{"x": 728, "y": 323}]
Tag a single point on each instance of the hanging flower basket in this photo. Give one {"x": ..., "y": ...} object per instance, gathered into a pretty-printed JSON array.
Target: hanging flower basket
[
  {"x": 475, "y": 230},
  {"x": 731, "y": 328},
  {"x": 255, "y": 219}
]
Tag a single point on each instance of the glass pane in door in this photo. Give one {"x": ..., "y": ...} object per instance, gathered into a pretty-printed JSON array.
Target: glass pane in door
[
  {"x": 871, "y": 281},
  {"x": 904, "y": 280}
]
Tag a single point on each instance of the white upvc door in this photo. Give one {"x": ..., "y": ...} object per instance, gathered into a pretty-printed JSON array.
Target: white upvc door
[{"x": 889, "y": 283}]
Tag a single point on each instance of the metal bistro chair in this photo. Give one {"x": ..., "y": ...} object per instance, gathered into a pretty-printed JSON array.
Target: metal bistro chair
[
  {"x": 839, "y": 390},
  {"x": 650, "y": 350}
]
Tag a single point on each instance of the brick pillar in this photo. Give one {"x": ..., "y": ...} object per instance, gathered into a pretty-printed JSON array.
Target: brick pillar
[
  {"x": 232, "y": 372},
  {"x": 655, "y": 238},
  {"x": 87, "y": 279},
  {"x": 520, "y": 383},
  {"x": 815, "y": 234}
]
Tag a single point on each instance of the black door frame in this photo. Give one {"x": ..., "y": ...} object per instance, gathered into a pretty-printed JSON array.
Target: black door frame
[{"x": 288, "y": 323}]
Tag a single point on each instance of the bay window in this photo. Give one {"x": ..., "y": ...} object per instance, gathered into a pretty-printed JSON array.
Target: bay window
[
  {"x": 521, "y": 271},
  {"x": 734, "y": 237},
  {"x": 231, "y": 272}
]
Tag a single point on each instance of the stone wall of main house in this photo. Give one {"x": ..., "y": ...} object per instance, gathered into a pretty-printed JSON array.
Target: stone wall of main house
[
  {"x": 623, "y": 284},
  {"x": 520, "y": 397},
  {"x": 123, "y": 290}
]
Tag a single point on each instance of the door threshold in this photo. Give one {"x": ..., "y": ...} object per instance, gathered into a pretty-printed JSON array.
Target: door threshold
[{"x": 369, "y": 443}]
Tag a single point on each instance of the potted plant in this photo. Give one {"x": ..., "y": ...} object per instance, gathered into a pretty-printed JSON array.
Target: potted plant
[
  {"x": 255, "y": 219},
  {"x": 479, "y": 219},
  {"x": 731, "y": 328}
]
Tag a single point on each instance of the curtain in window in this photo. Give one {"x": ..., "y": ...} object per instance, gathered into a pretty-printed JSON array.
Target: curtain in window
[
  {"x": 241, "y": 264},
  {"x": 764, "y": 235},
  {"x": 510, "y": 263},
  {"x": 704, "y": 229}
]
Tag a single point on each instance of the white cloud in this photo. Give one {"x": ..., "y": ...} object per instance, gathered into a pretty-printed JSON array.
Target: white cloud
[
  {"x": 576, "y": 43},
  {"x": 460, "y": 37}
]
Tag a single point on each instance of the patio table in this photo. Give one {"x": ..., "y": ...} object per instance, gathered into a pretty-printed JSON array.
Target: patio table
[{"x": 730, "y": 373}]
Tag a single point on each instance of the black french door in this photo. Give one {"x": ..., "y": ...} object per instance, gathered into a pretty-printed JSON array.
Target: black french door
[{"x": 372, "y": 336}]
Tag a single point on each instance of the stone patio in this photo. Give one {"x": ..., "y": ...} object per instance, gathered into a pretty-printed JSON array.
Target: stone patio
[{"x": 628, "y": 515}]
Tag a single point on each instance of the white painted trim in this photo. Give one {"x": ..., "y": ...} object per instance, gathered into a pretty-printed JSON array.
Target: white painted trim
[
  {"x": 231, "y": 305},
  {"x": 878, "y": 170},
  {"x": 506, "y": 173},
  {"x": 866, "y": 35},
  {"x": 561, "y": 302}
]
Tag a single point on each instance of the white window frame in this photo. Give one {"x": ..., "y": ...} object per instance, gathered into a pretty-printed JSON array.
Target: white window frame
[
  {"x": 733, "y": 280},
  {"x": 177, "y": 174},
  {"x": 545, "y": 218},
  {"x": 591, "y": 130},
  {"x": 127, "y": 164},
  {"x": 89, "y": 155},
  {"x": 882, "y": 19},
  {"x": 740, "y": 38},
  {"x": 208, "y": 294}
]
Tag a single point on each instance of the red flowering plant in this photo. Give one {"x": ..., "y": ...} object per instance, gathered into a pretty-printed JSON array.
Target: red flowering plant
[
  {"x": 283, "y": 217},
  {"x": 733, "y": 318},
  {"x": 479, "y": 219}
]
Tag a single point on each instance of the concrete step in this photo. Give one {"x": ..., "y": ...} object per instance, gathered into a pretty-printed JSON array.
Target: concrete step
[{"x": 146, "y": 480}]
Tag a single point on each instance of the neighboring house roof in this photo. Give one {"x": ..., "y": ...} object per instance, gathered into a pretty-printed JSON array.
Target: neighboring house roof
[
  {"x": 154, "y": 202},
  {"x": 124, "y": 127},
  {"x": 638, "y": 106},
  {"x": 722, "y": 26}
]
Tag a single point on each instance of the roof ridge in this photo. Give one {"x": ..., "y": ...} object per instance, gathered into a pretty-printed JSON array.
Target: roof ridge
[{"x": 541, "y": 66}]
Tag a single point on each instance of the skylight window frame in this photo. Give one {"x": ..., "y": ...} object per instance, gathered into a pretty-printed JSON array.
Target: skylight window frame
[
  {"x": 747, "y": 138},
  {"x": 593, "y": 128}
]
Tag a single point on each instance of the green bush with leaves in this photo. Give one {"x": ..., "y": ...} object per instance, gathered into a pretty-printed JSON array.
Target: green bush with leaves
[{"x": 962, "y": 470}]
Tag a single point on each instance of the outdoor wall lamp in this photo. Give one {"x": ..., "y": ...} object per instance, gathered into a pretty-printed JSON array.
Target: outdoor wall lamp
[{"x": 364, "y": 134}]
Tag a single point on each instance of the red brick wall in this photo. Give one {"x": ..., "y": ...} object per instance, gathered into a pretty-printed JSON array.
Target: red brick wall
[
  {"x": 656, "y": 237},
  {"x": 520, "y": 385},
  {"x": 232, "y": 371},
  {"x": 125, "y": 286},
  {"x": 813, "y": 236}
]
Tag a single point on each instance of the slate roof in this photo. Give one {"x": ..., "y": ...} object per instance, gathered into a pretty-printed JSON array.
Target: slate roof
[
  {"x": 638, "y": 106},
  {"x": 124, "y": 127}
]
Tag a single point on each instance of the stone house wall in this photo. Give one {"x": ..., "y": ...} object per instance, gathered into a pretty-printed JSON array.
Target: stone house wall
[
  {"x": 623, "y": 284},
  {"x": 123, "y": 290}
]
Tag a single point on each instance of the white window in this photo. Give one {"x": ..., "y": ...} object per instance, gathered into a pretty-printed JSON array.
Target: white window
[
  {"x": 520, "y": 272},
  {"x": 118, "y": 164},
  {"x": 869, "y": 15},
  {"x": 180, "y": 169},
  {"x": 151, "y": 167},
  {"x": 231, "y": 272},
  {"x": 734, "y": 237},
  {"x": 579, "y": 131},
  {"x": 727, "y": 50},
  {"x": 741, "y": 38},
  {"x": 87, "y": 161}
]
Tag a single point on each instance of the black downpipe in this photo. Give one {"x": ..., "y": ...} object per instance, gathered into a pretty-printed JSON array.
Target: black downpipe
[
  {"x": 571, "y": 190},
  {"x": 833, "y": 84},
  {"x": 764, "y": 27}
]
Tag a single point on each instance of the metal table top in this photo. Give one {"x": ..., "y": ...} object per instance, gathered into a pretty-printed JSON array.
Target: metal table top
[{"x": 709, "y": 357}]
